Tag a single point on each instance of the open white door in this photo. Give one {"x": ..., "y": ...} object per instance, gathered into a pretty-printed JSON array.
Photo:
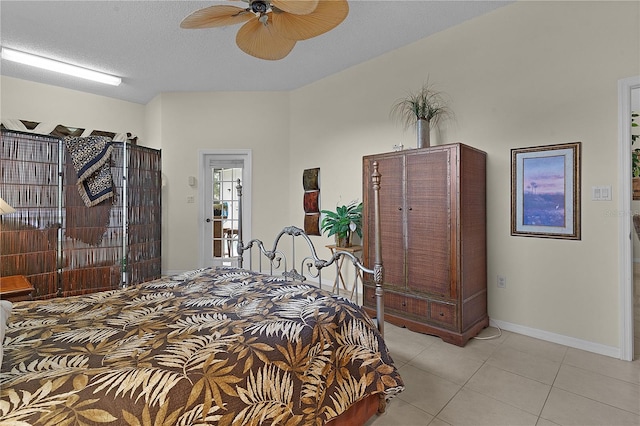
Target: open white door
[
  {"x": 625, "y": 89},
  {"x": 219, "y": 205}
]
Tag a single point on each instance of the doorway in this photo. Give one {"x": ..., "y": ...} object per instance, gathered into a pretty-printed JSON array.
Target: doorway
[
  {"x": 627, "y": 88},
  {"x": 219, "y": 208},
  {"x": 635, "y": 208}
]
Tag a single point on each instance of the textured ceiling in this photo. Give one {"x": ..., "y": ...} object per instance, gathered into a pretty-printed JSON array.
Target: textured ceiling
[{"x": 142, "y": 42}]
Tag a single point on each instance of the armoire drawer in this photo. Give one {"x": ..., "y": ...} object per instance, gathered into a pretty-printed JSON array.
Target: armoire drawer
[
  {"x": 444, "y": 313},
  {"x": 398, "y": 302}
]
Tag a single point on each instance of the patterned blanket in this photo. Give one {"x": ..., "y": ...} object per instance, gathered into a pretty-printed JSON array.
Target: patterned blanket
[
  {"x": 217, "y": 346},
  {"x": 91, "y": 158}
]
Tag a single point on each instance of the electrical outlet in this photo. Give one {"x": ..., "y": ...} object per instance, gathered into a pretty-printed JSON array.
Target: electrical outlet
[{"x": 502, "y": 281}]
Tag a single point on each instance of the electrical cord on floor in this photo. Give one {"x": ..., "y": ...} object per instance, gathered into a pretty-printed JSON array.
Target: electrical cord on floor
[{"x": 495, "y": 336}]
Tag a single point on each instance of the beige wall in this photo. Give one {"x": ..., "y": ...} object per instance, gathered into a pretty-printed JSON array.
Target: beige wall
[
  {"x": 26, "y": 100},
  {"x": 532, "y": 73},
  {"x": 181, "y": 124},
  {"x": 223, "y": 120}
]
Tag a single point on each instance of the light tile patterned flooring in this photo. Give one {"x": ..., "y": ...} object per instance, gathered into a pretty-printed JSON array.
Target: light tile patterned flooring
[
  {"x": 511, "y": 380},
  {"x": 636, "y": 310}
]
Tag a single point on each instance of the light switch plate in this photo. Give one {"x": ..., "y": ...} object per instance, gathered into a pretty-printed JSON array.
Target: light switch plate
[{"x": 601, "y": 193}]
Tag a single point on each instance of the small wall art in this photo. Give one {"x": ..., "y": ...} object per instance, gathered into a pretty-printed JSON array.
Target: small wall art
[
  {"x": 311, "y": 201},
  {"x": 545, "y": 191}
]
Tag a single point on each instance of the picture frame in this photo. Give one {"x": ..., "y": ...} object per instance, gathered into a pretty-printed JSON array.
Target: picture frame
[{"x": 546, "y": 192}]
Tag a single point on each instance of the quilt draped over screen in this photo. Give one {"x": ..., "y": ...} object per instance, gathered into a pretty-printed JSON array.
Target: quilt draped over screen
[{"x": 91, "y": 158}]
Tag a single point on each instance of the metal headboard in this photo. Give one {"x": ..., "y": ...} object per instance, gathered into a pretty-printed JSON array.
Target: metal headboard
[{"x": 277, "y": 259}]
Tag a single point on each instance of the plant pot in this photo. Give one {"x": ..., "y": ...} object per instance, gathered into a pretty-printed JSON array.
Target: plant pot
[
  {"x": 424, "y": 133},
  {"x": 343, "y": 242},
  {"x": 636, "y": 188}
]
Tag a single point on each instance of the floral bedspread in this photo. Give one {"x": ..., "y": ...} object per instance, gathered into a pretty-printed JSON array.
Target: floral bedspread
[{"x": 214, "y": 346}]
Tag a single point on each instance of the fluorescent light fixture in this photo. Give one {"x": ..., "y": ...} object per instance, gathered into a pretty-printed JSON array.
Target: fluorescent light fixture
[{"x": 61, "y": 67}]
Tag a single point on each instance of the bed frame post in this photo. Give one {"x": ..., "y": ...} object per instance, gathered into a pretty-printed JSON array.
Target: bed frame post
[
  {"x": 377, "y": 267},
  {"x": 240, "y": 240}
]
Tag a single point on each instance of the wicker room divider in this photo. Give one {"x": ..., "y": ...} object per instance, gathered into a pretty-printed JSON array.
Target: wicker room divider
[{"x": 63, "y": 247}]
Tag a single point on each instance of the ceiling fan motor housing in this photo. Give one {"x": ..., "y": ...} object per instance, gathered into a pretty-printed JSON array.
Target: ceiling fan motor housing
[{"x": 259, "y": 6}]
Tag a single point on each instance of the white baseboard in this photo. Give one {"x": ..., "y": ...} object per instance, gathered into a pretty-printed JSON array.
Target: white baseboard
[{"x": 560, "y": 339}]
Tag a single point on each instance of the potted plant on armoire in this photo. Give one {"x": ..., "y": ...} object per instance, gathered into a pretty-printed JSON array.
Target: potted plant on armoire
[{"x": 424, "y": 109}]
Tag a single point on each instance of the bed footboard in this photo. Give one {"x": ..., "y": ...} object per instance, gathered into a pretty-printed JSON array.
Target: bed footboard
[{"x": 276, "y": 259}]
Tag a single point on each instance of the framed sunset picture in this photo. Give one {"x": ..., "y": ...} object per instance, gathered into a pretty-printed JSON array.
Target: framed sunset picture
[{"x": 545, "y": 191}]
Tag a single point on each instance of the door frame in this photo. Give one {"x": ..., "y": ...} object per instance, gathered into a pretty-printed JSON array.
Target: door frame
[
  {"x": 232, "y": 154},
  {"x": 625, "y": 238}
]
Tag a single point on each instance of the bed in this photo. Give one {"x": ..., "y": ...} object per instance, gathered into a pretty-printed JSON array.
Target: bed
[{"x": 223, "y": 345}]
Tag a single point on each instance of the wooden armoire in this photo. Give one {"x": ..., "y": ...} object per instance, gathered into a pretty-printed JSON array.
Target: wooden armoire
[{"x": 433, "y": 224}]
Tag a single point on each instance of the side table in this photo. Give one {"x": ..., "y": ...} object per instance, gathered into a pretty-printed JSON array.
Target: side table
[
  {"x": 339, "y": 277},
  {"x": 15, "y": 288}
]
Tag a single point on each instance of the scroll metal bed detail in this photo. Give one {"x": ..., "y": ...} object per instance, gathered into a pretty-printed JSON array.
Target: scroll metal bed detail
[{"x": 277, "y": 259}]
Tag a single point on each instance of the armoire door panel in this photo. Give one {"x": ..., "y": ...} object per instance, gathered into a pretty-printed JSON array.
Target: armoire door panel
[
  {"x": 428, "y": 222},
  {"x": 391, "y": 220}
]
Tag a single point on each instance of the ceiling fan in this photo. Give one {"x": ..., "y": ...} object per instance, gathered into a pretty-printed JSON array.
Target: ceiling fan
[{"x": 272, "y": 27}]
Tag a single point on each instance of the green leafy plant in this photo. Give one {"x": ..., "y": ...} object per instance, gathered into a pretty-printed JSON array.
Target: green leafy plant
[
  {"x": 427, "y": 103},
  {"x": 343, "y": 222}
]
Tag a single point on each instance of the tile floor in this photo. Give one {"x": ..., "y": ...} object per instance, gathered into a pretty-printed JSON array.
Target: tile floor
[
  {"x": 636, "y": 310},
  {"x": 511, "y": 380}
]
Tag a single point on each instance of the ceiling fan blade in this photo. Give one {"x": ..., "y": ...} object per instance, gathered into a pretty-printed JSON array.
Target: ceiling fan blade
[
  {"x": 297, "y": 7},
  {"x": 262, "y": 41},
  {"x": 328, "y": 15},
  {"x": 216, "y": 16}
]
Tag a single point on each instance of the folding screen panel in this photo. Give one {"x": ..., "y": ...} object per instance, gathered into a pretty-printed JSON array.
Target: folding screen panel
[
  {"x": 29, "y": 183},
  {"x": 144, "y": 212},
  {"x": 63, "y": 247}
]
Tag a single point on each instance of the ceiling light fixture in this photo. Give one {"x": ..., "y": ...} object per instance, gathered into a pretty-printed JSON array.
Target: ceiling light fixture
[{"x": 61, "y": 67}]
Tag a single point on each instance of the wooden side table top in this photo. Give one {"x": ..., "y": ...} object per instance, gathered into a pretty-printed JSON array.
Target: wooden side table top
[
  {"x": 14, "y": 284},
  {"x": 351, "y": 249}
]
